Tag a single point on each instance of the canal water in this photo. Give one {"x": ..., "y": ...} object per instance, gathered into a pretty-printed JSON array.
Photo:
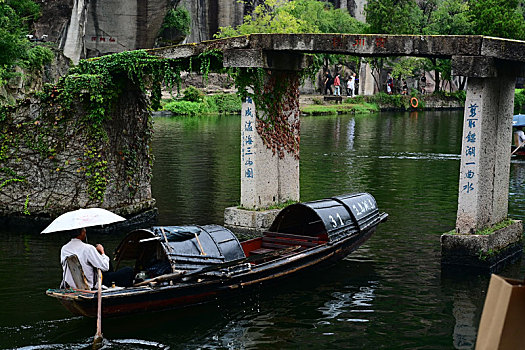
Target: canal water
[{"x": 390, "y": 294}]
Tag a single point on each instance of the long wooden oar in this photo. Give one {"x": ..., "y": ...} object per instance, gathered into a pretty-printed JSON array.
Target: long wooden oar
[
  {"x": 98, "y": 336},
  {"x": 517, "y": 148}
]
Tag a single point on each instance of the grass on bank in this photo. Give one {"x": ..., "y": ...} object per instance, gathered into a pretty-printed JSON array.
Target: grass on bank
[
  {"x": 346, "y": 107},
  {"x": 195, "y": 102}
]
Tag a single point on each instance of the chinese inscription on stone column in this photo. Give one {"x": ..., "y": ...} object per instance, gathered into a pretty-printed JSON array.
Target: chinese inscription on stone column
[
  {"x": 248, "y": 138},
  {"x": 471, "y": 149}
]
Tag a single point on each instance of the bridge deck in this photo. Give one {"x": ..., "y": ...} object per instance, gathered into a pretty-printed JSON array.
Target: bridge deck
[{"x": 444, "y": 46}]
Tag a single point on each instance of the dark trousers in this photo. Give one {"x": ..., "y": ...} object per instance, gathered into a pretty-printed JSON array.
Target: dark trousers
[{"x": 122, "y": 278}]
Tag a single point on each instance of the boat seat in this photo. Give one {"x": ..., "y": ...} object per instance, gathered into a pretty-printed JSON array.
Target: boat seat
[
  {"x": 291, "y": 236},
  {"x": 277, "y": 240},
  {"x": 75, "y": 268},
  {"x": 260, "y": 251}
]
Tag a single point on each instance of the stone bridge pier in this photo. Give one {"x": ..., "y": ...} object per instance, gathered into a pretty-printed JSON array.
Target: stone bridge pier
[
  {"x": 485, "y": 166},
  {"x": 270, "y": 134}
]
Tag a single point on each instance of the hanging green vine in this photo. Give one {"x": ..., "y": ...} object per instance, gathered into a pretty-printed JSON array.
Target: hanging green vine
[
  {"x": 92, "y": 89},
  {"x": 276, "y": 96}
]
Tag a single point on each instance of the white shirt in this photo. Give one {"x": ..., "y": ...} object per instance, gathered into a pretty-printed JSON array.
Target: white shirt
[
  {"x": 521, "y": 136},
  {"x": 89, "y": 258}
]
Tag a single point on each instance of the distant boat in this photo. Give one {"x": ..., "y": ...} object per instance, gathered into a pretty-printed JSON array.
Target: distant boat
[{"x": 178, "y": 266}]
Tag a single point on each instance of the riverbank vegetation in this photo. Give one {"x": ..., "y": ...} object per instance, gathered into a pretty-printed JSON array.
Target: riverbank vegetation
[
  {"x": 16, "y": 50},
  {"x": 195, "y": 102},
  {"x": 519, "y": 101}
]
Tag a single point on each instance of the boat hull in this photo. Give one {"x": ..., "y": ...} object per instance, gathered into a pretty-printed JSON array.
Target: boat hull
[{"x": 198, "y": 291}]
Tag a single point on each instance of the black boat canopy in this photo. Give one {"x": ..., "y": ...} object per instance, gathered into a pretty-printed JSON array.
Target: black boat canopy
[
  {"x": 336, "y": 217},
  {"x": 164, "y": 249}
]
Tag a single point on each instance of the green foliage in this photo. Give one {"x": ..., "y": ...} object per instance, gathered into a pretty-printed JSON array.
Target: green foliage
[
  {"x": 349, "y": 106},
  {"x": 451, "y": 17},
  {"x": 38, "y": 55},
  {"x": 178, "y": 19},
  {"x": 498, "y": 226},
  {"x": 223, "y": 103},
  {"x": 406, "y": 67},
  {"x": 519, "y": 101},
  {"x": 210, "y": 104},
  {"x": 193, "y": 94},
  {"x": 296, "y": 16},
  {"x": 394, "y": 16},
  {"x": 384, "y": 99},
  {"x": 500, "y": 18},
  {"x": 272, "y": 16},
  {"x": 187, "y": 108},
  {"x": 460, "y": 95},
  {"x": 317, "y": 101},
  {"x": 12, "y": 43},
  {"x": 27, "y": 10},
  {"x": 94, "y": 86},
  {"x": 325, "y": 18},
  {"x": 16, "y": 17}
]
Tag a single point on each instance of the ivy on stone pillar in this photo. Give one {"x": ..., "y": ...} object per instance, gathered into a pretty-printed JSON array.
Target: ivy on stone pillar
[{"x": 270, "y": 126}]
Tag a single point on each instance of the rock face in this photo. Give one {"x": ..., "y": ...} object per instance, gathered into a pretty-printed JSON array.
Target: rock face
[
  {"x": 90, "y": 28},
  {"x": 52, "y": 162},
  {"x": 120, "y": 25}
]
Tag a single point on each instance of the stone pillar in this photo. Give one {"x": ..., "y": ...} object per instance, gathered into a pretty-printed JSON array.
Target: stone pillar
[
  {"x": 366, "y": 80},
  {"x": 269, "y": 137},
  {"x": 485, "y": 152},
  {"x": 270, "y": 145}
]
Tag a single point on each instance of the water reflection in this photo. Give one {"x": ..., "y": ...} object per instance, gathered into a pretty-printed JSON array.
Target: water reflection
[{"x": 360, "y": 301}]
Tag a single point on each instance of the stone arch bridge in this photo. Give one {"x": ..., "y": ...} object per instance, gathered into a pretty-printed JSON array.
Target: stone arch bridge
[{"x": 491, "y": 64}]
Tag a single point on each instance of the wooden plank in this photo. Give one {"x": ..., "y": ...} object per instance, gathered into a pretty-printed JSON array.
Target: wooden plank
[
  {"x": 276, "y": 246},
  {"x": 260, "y": 251},
  {"x": 282, "y": 240},
  {"x": 292, "y": 236}
]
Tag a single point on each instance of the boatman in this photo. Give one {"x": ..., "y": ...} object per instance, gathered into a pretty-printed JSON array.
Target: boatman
[
  {"x": 92, "y": 258},
  {"x": 519, "y": 137}
]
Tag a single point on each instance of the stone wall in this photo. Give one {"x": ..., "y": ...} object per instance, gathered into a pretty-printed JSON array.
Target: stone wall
[
  {"x": 50, "y": 161},
  {"x": 118, "y": 25}
]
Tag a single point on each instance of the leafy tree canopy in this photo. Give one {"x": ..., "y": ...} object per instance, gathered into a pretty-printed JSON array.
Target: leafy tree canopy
[
  {"x": 452, "y": 17},
  {"x": 178, "y": 19},
  {"x": 393, "y": 16},
  {"x": 296, "y": 16},
  {"x": 501, "y": 18},
  {"x": 16, "y": 17}
]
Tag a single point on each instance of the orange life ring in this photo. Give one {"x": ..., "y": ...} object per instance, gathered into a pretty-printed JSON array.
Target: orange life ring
[{"x": 414, "y": 102}]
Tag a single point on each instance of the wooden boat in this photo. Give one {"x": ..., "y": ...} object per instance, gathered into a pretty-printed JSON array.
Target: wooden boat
[{"x": 180, "y": 266}]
